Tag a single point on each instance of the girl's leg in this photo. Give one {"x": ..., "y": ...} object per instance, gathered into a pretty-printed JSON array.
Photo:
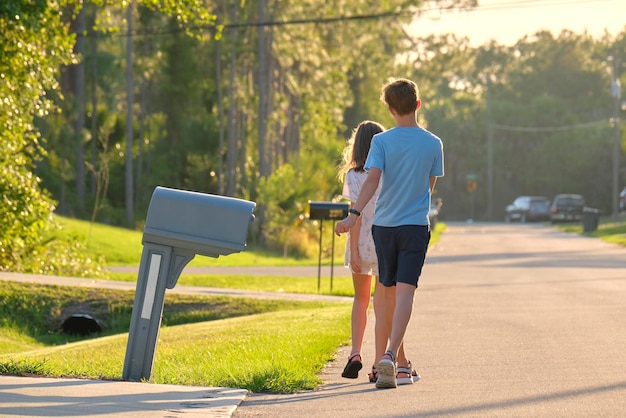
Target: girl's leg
[
  {"x": 362, "y": 295},
  {"x": 362, "y": 292},
  {"x": 381, "y": 333}
]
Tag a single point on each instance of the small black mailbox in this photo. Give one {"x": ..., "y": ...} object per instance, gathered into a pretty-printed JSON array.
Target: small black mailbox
[{"x": 328, "y": 210}]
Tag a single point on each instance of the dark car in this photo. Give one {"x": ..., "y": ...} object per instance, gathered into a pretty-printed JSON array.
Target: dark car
[
  {"x": 567, "y": 208},
  {"x": 528, "y": 209},
  {"x": 622, "y": 200}
]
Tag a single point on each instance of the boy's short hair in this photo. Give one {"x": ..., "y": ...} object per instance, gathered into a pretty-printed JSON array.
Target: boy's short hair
[{"x": 401, "y": 95}]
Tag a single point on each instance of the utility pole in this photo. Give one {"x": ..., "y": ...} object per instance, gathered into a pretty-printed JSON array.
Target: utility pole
[
  {"x": 489, "y": 153},
  {"x": 616, "y": 94}
]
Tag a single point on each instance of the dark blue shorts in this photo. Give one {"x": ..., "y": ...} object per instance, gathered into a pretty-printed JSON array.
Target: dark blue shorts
[{"x": 401, "y": 251}]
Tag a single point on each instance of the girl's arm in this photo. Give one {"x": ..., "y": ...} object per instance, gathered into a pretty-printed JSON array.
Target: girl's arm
[{"x": 355, "y": 257}]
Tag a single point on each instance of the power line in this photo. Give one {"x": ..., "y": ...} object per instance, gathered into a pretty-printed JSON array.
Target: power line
[
  {"x": 548, "y": 128},
  {"x": 526, "y": 4},
  {"x": 274, "y": 23},
  {"x": 505, "y": 6}
]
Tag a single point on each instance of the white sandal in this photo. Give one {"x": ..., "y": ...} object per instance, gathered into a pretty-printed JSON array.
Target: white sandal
[
  {"x": 387, "y": 372},
  {"x": 411, "y": 372},
  {"x": 405, "y": 380}
]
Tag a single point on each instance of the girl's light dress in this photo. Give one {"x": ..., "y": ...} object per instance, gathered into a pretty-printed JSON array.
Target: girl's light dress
[{"x": 351, "y": 189}]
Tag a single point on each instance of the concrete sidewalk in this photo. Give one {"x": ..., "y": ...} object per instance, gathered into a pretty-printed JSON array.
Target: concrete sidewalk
[{"x": 43, "y": 397}]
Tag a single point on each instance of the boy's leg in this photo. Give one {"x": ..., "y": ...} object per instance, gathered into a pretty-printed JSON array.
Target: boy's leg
[
  {"x": 384, "y": 310},
  {"x": 412, "y": 243},
  {"x": 386, "y": 366},
  {"x": 401, "y": 316}
]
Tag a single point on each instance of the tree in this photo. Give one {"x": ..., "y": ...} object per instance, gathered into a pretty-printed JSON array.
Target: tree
[{"x": 35, "y": 43}]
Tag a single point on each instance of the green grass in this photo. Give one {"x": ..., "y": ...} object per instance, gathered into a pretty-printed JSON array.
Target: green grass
[
  {"x": 271, "y": 352},
  {"x": 260, "y": 345},
  {"x": 127, "y": 248},
  {"x": 123, "y": 247},
  {"x": 341, "y": 286},
  {"x": 341, "y": 283},
  {"x": 608, "y": 230}
]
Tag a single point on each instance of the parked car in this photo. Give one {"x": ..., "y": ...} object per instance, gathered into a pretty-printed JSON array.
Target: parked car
[
  {"x": 622, "y": 200},
  {"x": 567, "y": 208},
  {"x": 528, "y": 209}
]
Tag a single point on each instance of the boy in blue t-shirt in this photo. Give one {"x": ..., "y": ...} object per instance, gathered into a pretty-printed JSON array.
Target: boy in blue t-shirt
[{"x": 407, "y": 160}]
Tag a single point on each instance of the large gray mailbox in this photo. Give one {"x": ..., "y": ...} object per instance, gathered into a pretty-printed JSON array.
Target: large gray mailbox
[{"x": 179, "y": 225}]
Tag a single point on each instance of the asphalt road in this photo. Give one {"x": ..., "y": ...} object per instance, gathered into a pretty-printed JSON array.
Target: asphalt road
[{"x": 509, "y": 321}]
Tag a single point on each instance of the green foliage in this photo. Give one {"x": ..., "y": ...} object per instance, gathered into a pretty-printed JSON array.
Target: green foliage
[
  {"x": 24, "y": 367},
  {"x": 555, "y": 83},
  {"x": 34, "y": 44},
  {"x": 324, "y": 79},
  {"x": 284, "y": 196},
  {"x": 550, "y": 102}
]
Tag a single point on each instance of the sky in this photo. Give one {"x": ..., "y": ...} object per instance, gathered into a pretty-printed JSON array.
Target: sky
[{"x": 507, "y": 21}]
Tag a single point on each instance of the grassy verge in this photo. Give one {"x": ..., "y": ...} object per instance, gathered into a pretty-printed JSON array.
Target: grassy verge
[
  {"x": 127, "y": 249},
  {"x": 208, "y": 341},
  {"x": 341, "y": 283},
  {"x": 341, "y": 286},
  {"x": 608, "y": 230}
]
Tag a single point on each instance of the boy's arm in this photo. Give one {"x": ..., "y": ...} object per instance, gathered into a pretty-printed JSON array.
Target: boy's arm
[{"x": 367, "y": 191}]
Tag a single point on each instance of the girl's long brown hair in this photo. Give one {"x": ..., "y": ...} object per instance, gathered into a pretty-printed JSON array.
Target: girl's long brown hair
[{"x": 355, "y": 152}]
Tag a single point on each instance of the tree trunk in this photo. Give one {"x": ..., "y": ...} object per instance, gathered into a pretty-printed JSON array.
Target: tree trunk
[
  {"x": 220, "y": 117},
  {"x": 143, "y": 94},
  {"x": 79, "y": 115},
  {"x": 231, "y": 152},
  {"x": 263, "y": 83},
  {"x": 243, "y": 153},
  {"x": 94, "y": 112},
  {"x": 129, "y": 116}
]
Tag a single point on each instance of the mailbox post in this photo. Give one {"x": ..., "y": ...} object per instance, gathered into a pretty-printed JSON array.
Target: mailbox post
[
  {"x": 179, "y": 225},
  {"x": 321, "y": 211}
]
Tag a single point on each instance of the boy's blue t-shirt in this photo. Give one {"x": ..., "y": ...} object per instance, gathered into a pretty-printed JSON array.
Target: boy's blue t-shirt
[{"x": 407, "y": 157}]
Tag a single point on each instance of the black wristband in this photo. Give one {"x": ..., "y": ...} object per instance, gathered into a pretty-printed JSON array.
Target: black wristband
[{"x": 356, "y": 212}]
